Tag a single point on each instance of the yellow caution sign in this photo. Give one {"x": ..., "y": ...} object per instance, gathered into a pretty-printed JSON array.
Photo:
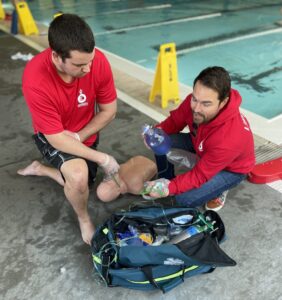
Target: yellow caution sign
[
  {"x": 166, "y": 77},
  {"x": 27, "y": 24},
  {"x": 2, "y": 12}
]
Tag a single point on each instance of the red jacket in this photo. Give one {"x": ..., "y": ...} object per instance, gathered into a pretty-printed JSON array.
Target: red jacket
[{"x": 225, "y": 143}]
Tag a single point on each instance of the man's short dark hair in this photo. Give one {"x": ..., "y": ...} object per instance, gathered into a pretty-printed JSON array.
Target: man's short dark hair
[
  {"x": 69, "y": 32},
  {"x": 217, "y": 79}
]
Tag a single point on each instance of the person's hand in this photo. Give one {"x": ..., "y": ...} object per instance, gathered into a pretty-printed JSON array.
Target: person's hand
[
  {"x": 157, "y": 188},
  {"x": 110, "y": 165}
]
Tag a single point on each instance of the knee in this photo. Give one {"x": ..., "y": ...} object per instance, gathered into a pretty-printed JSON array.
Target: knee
[
  {"x": 77, "y": 177},
  {"x": 192, "y": 199}
]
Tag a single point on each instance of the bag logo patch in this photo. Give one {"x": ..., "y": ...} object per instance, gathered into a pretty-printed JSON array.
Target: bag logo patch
[{"x": 173, "y": 261}]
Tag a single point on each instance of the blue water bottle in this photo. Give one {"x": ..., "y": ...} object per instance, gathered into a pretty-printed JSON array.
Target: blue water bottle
[
  {"x": 156, "y": 139},
  {"x": 186, "y": 233}
]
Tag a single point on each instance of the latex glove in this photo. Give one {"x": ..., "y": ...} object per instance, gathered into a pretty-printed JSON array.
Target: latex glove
[
  {"x": 110, "y": 166},
  {"x": 157, "y": 188}
]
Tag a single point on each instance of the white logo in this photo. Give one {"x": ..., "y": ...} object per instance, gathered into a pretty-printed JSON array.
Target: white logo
[
  {"x": 173, "y": 261},
  {"x": 201, "y": 146},
  {"x": 246, "y": 125},
  {"x": 81, "y": 97}
]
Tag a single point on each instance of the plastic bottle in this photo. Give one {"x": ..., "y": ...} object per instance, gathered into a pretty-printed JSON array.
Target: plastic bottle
[
  {"x": 156, "y": 139},
  {"x": 175, "y": 230},
  {"x": 183, "y": 159},
  {"x": 185, "y": 234},
  {"x": 159, "y": 240},
  {"x": 160, "y": 143}
]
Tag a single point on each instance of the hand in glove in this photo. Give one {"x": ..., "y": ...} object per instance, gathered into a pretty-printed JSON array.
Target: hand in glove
[
  {"x": 110, "y": 166},
  {"x": 157, "y": 188}
]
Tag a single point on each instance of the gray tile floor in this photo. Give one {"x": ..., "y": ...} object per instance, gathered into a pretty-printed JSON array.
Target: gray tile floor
[{"x": 40, "y": 235}]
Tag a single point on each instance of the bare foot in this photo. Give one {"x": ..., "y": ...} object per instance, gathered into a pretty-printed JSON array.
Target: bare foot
[
  {"x": 87, "y": 230},
  {"x": 32, "y": 169},
  {"x": 38, "y": 169}
]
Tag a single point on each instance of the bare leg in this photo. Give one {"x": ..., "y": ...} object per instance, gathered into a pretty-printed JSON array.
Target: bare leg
[
  {"x": 38, "y": 169},
  {"x": 76, "y": 190}
]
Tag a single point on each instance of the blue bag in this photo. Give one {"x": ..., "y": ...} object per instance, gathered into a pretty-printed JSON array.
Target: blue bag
[{"x": 126, "y": 253}]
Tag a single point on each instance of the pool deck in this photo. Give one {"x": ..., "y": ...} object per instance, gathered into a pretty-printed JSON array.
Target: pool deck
[{"x": 42, "y": 255}]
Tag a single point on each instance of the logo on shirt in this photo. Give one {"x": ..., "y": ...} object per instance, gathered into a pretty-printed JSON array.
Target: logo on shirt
[
  {"x": 246, "y": 125},
  {"x": 82, "y": 99},
  {"x": 201, "y": 146}
]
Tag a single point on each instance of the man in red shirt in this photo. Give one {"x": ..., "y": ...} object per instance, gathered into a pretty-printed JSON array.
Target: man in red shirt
[
  {"x": 220, "y": 137},
  {"x": 62, "y": 87}
]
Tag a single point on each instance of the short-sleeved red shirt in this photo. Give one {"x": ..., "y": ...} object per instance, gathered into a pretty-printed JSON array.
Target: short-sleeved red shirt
[{"x": 56, "y": 105}]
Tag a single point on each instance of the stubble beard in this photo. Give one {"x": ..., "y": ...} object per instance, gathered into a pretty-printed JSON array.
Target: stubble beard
[{"x": 198, "y": 118}]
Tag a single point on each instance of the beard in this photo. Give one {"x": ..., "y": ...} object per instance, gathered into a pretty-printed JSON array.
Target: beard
[{"x": 198, "y": 118}]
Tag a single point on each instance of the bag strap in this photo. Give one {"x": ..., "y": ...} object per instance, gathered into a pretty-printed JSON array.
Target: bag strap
[
  {"x": 105, "y": 268},
  {"x": 147, "y": 270},
  {"x": 147, "y": 204},
  {"x": 183, "y": 273}
]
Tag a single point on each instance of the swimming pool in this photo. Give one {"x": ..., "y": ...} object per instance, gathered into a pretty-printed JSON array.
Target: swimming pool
[{"x": 243, "y": 37}]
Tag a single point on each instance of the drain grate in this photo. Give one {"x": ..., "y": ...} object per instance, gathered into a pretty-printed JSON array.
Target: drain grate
[{"x": 266, "y": 150}]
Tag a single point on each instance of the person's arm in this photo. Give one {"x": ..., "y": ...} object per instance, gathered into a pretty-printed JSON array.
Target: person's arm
[
  {"x": 105, "y": 97},
  {"x": 64, "y": 142},
  {"x": 44, "y": 112},
  {"x": 104, "y": 116},
  {"x": 178, "y": 118},
  {"x": 210, "y": 164}
]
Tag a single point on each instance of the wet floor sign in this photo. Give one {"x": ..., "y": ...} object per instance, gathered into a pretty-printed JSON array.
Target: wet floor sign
[
  {"x": 2, "y": 12},
  {"x": 27, "y": 24},
  {"x": 166, "y": 77}
]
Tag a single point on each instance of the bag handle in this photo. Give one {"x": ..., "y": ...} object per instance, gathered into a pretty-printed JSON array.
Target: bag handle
[
  {"x": 172, "y": 284},
  {"x": 147, "y": 270},
  {"x": 141, "y": 205},
  {"x": 105, "y": 268}
]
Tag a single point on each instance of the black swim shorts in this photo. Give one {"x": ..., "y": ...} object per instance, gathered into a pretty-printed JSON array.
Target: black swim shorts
[{"x": 56, "y": 158}]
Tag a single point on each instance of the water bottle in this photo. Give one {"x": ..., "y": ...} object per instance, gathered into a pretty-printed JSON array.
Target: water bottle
[
  {"x": 186, "y": 233},
  {"x": 156, "y": 139}
]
